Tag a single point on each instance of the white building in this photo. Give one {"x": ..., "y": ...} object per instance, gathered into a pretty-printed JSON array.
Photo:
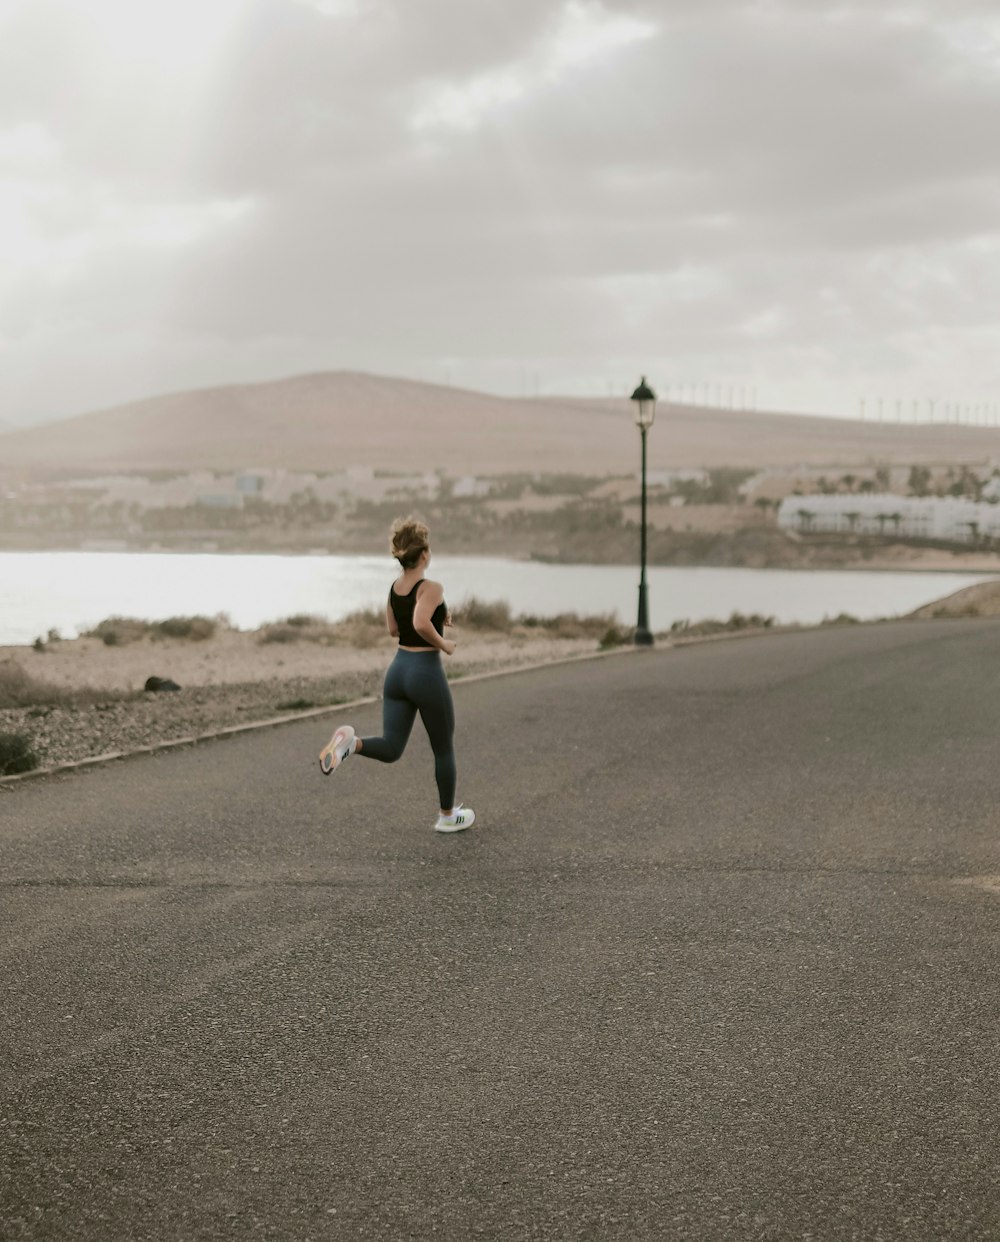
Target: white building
[
  {"x": 951, "y": 519},
  {"x": 469, "y": 485},
  {"x": 991, "y": 491}
]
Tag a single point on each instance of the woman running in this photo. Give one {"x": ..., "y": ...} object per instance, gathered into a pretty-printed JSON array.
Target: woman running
[{"x": 416, "y": 614}]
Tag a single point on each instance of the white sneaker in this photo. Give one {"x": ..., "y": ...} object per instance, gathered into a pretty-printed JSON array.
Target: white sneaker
[
  {"x": 337, "y": 749},
  {"x": 462, "y": 817}
]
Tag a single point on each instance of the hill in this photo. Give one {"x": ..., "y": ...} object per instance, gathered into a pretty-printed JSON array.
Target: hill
[{"x": 330, "y": 421}]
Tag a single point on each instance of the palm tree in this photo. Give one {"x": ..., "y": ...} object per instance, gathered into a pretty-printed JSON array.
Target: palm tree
[{"x": 805, "y": 517}]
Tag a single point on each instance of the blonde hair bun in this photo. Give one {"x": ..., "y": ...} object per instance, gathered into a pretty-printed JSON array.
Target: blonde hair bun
[{"x": 410, "y": 538}]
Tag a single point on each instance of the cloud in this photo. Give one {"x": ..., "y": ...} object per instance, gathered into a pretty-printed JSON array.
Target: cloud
[
  {"x": 794, "y": 192},
  {"x": 583, "y": 33}
]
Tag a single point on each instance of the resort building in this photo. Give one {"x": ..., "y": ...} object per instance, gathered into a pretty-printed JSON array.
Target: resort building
[{"x": 949, "y": 519}]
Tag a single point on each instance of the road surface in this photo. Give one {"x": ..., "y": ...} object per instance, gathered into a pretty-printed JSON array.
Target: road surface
[{"x": 720, "y": 959}]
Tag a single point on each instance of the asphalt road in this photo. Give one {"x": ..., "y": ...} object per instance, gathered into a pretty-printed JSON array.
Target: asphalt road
[{"x": 720, "y": 959}]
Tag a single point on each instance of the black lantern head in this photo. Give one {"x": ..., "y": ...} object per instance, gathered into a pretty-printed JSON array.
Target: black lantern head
[{"x": 645, "y": 404}]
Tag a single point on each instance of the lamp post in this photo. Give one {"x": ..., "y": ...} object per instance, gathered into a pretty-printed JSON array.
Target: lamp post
[{"x": 645, "y": 411}]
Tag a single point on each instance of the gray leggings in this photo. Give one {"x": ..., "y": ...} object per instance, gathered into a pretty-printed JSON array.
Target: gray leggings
[{"x": 415, "y": 682}]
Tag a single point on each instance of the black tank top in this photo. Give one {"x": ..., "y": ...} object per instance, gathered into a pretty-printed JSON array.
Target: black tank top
[{"x": 402, "y": 609}]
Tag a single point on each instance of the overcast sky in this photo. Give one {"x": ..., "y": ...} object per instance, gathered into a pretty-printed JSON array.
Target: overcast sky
[{"x": 791, "y": 196}]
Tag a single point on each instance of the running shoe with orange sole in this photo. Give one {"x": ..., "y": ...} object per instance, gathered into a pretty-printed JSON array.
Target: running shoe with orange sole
[{"x": 339, "y": 748}]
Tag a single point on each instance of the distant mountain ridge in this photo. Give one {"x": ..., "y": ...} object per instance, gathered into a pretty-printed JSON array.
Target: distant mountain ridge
[{"x": 334, "y": 420}]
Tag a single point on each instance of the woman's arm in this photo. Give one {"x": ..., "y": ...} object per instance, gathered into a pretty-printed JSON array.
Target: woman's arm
[
  {"x": 429, "y": 596},
  {"x": 390, "y": 621}
]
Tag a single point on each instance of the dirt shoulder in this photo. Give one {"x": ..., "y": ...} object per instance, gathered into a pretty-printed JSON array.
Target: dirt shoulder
[
  {"x": 239, "y": 657},
  {"x": 230, "y": 679},
  {"x": 981, "y": 600}
]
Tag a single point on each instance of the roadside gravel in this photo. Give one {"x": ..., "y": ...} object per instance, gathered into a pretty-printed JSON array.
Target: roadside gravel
[
  {"x": 66, "y": 734},
  {"x": 119, "y": 724}
]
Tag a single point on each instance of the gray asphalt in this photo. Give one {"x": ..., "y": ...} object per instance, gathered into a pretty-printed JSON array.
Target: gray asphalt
[{"x": 720, "y": 959}]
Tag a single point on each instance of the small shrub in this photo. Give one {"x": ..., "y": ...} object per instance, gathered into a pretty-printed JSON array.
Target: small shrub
[
  {"x": 16, "y": 754},
  {"x": 614, "y": 636},
  {"x": 19, "y": 689},
  {"x": 196, "y": 629},
  {"x": 38, "y": 644},
  {"x": 737, "y": 621},
  {"x": 572, "y": 625},
  {"x": 296, "y": 705},
  {"x": 117, "y": 631},
  {"x": 364, "y": 616},
  {"x": 479, "y": 614},
  {"x": 960, "y": 610},
  {"x": 279, "y": 633},
  {"x": 363, "y": 628}
]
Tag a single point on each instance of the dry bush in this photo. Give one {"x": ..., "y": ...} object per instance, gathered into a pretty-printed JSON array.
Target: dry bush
[
  {"x": 366, "y": 628},
  {"x": 196, "y": 629},
  {"x": 364, "y": 616},
  {"x": 959, "y": 610},
  {"x": 118, "y": 631},
  {"x": 278, "y": 632},
  {"x": 19, "y": 689},
  {"x": 362, "y": 628},
  {"x": 16, "y": 754},
  {"x": 737, "y": 621},
  {"x": 479, "y": 614},
  {"x": 614, "y": 636},
  {"x": 571, "y": 625}
]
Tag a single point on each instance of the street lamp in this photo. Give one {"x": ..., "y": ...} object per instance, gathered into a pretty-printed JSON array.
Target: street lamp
[{"x": 645, "y": 411}]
